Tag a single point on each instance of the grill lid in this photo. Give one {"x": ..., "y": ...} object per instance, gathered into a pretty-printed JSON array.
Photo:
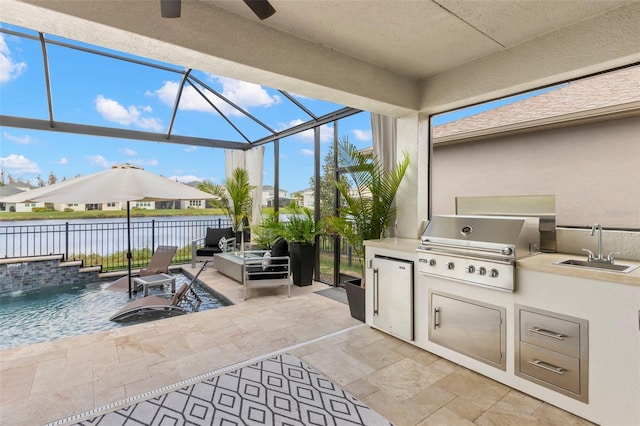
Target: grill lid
[{"x": 505, "y": 235}]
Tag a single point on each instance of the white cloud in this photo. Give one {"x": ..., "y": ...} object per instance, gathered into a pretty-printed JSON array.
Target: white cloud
[
  {"x": 63, "y": 160},
  {"x": 362, "y": 135},
  {"x": 113, "y": 111},
  {"x": 245, "y": 95},
  {"x": 10, "y": 69},
  {"x": 18, "y": 164},
  {"x": 24, "y": 140},
  {"x": 141, "y": 162},
  {"x": 186, "y": 178},
  {"x": 128, "y": 151},
  {"x": 326, "y": 132},
  {"x": 98, "y": 160},
  {"x": 305, "y": 151},
  {"x": 190, "y": 148}
]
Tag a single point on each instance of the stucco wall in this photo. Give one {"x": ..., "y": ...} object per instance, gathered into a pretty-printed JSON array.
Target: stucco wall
[{"x": 593, "y": 170}]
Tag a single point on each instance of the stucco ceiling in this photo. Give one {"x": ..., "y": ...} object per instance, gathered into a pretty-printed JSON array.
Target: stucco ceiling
[{"x": 389, "y": 56}]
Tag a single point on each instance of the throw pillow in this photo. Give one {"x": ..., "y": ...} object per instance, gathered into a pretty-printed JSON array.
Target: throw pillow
[
  {"x": 222, "y": 243},
  {"x": 266, "y": 260}
]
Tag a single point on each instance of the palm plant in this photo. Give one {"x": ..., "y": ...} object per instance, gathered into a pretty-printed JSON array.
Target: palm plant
[
  {"x": 234, "y": 197},
  {"x": 369, "y": 203}
]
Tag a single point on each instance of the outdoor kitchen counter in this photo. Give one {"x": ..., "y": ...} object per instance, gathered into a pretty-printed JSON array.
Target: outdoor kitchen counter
[
  {"x": 541, "y": 262},
  {"x": 544, "y": 262}
]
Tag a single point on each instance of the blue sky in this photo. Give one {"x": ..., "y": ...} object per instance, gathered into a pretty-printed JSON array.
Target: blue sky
[{"x": 101, "y": 91}]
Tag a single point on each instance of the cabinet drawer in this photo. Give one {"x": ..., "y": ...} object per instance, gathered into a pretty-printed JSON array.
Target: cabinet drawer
[
  {"x": 556, "y": 334},
  {"x": 550, "y": 367}
]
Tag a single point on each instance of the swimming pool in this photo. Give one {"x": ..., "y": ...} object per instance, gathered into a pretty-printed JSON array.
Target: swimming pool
[{"x": 52, "y": 313}]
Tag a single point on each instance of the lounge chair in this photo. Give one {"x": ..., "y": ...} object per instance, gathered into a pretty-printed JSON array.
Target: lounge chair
[
  {"x": 161, "y": 306},
  {"x": 217, "y": 240},
  {"x": 159, "y": 264}
]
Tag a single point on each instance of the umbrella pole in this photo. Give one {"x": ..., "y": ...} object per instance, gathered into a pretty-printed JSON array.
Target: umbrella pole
[{"x": 129, "y": 246}]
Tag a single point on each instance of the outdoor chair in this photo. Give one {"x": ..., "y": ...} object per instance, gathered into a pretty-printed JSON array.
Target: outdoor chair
[
  {"x": 270, "y": 269},
  {"x": 162, "y": 306},
  {"x": 159, "y": 264},
  {"x": 217, "y": 240}
]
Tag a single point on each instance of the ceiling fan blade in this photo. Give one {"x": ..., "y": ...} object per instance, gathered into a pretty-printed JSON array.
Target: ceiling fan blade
[
  {"x": 170, "y": 8},
  {"x": 262, "y": 8}
]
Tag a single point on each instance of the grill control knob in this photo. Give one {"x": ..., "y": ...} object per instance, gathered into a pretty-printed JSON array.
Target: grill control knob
[
  {"x": 432, "y": 262},
  {"x": 507, "y": 251},
  {"x": 449, "y": 265},
  {"x": 471, "y": 269},
  {"x": 493, "y": 272},
  {"x": 482, "y": 270}
]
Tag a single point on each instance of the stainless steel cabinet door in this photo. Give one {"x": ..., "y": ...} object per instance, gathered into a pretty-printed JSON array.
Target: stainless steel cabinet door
[
  {"x": 469, "y": 327},
  {"x": 393, "y": 296}
]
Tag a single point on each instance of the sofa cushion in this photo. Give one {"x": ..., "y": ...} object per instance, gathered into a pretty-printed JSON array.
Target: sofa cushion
[
  {"x": 279, "y": 249},
  {"x": 215, "y": 234},
  {"x": 208, "y": 251}
]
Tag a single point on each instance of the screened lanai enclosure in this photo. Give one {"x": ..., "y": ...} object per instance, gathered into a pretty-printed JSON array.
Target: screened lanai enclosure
[{"x": 95, "y": 96}]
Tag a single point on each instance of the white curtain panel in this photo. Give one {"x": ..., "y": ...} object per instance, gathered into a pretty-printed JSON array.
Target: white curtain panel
[
  {"x": 255, "y": 165},
  {"x": 252, "y": 161},
  {"x": 233, "y": 158},
  {"x": 383, "y": 130}
]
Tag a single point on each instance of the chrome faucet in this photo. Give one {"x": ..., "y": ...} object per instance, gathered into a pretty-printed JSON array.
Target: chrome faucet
[{"x": 599, "y": 258}]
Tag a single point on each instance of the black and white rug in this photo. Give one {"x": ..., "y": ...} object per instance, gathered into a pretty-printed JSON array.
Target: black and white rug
[{"x": 281, "y": 390}]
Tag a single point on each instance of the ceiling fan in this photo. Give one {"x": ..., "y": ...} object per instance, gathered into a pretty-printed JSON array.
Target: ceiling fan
[{"x": 262, "y": 8}]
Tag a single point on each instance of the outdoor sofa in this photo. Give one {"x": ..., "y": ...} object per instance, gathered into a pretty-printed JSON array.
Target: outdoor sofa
[{"x": 217, "y": 240}]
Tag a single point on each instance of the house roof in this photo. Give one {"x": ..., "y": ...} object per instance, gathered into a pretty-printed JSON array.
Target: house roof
[
  {"x": 598, "y": 97},
  {"x": 7, "y": 190}
]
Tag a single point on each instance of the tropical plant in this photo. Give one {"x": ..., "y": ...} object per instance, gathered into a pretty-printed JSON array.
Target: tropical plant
[
  {"x": 301, "y": 226},
  {"x": 369, "y": 205},
  {"x": 268, "y": 231},
  {"x": 234, "y": 197}
]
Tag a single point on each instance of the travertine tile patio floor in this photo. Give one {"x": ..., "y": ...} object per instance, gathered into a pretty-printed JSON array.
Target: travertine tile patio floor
[{"x": 45, "y": 382}]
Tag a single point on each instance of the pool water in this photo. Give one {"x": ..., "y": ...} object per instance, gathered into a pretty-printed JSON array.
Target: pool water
[{"x": 70, "y": 310}]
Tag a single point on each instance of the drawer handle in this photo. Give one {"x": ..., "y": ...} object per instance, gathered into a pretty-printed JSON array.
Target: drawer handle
[
  {"x": 549, "y": 367},
  {"x": 547, "y": 333},
  {"x": 436, "y": 322}
]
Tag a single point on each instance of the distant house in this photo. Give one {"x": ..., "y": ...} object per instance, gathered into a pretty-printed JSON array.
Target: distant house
[
  {"x": 268, "y": 195},
  {"x": 305, "y": 198},
  {"x": 578, "y": 142},
  {"x": 16, "y": 188}
]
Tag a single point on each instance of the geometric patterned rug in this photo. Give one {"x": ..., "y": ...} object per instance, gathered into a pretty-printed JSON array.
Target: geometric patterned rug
[{"x": 278, "y": 391}]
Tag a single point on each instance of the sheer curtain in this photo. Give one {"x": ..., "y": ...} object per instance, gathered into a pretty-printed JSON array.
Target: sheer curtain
[
  {"x": 383, "y": 131},
  {"x": 252, "y": 161}
]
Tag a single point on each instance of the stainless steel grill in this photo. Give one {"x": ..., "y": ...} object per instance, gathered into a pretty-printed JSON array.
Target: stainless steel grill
[{"x": 477, "y": 250}]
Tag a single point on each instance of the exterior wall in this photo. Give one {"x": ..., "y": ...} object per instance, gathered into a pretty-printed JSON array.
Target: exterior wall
[
  {"x": 591, "y": 169},
  {"x": 192, "y": 204},
  {"x": 28, "y": 274}
]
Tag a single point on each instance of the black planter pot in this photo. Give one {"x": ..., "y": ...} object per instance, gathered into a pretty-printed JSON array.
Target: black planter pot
[
  {"x": 355, "y": 296},
  {"x": 302, "y": 263}
]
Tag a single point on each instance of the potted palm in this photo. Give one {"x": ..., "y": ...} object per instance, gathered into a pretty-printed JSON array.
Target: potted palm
[
  {"x": 301, "y": 231},
  {"x": 234, "y": 198},
  {"x": 368, "y": 208}
]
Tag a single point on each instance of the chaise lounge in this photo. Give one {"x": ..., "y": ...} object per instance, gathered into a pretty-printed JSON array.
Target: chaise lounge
[
  {"x": 161, "y": 306},
  {"x": 159, "y": 264}
]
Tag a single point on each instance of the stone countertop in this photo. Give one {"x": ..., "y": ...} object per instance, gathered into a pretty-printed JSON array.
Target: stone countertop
[
  {"x": 544, "y": 262},
  {"x": 541, "y": 262}
]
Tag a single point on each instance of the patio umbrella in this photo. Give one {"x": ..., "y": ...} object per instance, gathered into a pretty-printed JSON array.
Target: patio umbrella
[{"x": 120, "y": 183}]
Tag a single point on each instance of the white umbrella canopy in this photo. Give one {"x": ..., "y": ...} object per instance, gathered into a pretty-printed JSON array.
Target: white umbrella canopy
[{"x": 120, "y": 183}]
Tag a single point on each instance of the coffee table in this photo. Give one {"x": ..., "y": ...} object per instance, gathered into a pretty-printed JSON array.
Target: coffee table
[
  {"x": 231, "y": 264},
  {"x": 156, "y": 280}
]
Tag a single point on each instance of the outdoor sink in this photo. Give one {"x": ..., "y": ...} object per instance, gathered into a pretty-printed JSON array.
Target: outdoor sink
[{"x": 597, "y": 265}]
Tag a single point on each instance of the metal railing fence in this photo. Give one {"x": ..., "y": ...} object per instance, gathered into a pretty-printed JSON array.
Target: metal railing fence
[{"x": 105, "y": 243}]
